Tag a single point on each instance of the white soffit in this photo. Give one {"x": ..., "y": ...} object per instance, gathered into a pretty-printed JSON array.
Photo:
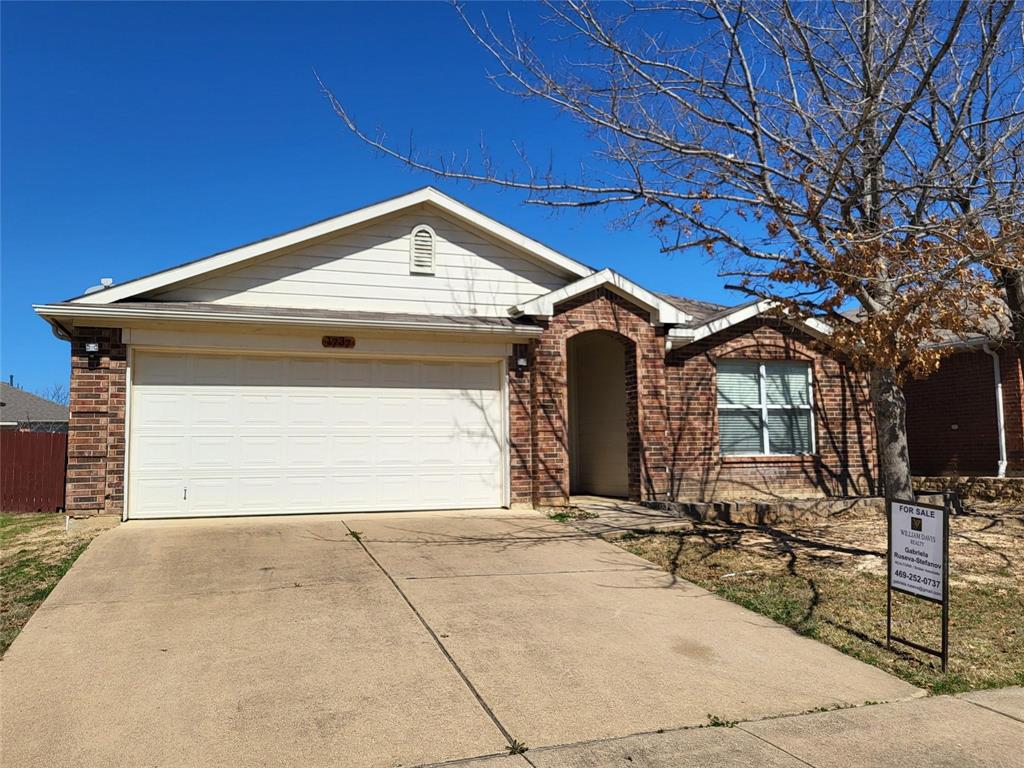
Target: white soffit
[
  {"x": 662, "y": 313},
  {"x": 329, "y": 227}
]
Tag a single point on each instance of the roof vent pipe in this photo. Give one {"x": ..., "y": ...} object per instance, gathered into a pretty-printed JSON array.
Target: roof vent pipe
[
  {"x": 105, "y": 282},
  {"x": 1000, "y": 418}
]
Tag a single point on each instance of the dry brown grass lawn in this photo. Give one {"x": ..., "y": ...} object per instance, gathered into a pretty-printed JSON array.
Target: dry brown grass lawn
[
  {"x": 826, "y": 579},
  {"x": 35, "y": 552}
]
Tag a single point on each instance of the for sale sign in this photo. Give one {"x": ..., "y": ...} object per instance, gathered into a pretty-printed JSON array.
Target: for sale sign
[{"x": 917, "y": 535}]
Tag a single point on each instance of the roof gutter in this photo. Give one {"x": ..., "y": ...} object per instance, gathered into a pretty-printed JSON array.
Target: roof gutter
[
  {"x": 1000, "y": 416},
  {"x": 51, "y": 313}
]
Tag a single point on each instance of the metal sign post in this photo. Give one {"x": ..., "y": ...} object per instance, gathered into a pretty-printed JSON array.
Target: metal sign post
[{"x": 918, "y": 563}]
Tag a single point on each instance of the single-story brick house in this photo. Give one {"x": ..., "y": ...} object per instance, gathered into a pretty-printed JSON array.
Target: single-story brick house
[
  {"x": 416, "y": 354},
  {"x": 967, "y": 418}
]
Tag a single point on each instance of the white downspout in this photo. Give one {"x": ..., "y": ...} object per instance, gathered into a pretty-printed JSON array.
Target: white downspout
[{"x": 1000, "y": 419}]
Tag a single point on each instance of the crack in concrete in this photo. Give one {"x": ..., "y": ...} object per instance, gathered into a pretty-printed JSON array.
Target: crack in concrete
[
  {"x": 990, "y": 709},
  {"x": 775, "y": 746},
  {"x": 441, "y": 646}
]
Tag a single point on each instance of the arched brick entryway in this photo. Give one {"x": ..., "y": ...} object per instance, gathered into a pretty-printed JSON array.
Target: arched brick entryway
[
  {"x": 604, "y": 311},
  {"x": 602, "y": 408}
]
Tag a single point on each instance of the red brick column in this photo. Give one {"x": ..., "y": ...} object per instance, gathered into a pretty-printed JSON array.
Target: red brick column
[
  {"x": 600, "y": 310},
  {"x": 520, "y": 426},
  {"x": 96, "y": 436}
]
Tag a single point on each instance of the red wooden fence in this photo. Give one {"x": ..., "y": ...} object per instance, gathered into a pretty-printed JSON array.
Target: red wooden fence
[{"x": 32, "y": 467}]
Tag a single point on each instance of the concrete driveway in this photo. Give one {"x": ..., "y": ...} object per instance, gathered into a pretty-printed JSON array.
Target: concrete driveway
[{"x": 432, "y": 637}]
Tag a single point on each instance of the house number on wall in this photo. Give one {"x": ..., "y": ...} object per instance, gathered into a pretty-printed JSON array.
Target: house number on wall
[{"x": 338, "y": 342}]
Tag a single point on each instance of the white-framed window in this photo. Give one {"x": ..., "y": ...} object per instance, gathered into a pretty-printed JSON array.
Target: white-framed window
[
  {"x": 422, "y": 250},
  {"x": 765, "y": 407}
]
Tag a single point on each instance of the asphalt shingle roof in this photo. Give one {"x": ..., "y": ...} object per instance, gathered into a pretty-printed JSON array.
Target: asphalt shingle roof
[{"x": 17, "y": 405}]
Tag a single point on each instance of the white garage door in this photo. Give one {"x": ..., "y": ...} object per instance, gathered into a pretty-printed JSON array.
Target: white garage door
[{"x": 244, "y": 435}]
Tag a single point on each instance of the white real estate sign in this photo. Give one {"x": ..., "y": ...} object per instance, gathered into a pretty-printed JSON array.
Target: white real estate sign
[{"x": 916, "y": 549}]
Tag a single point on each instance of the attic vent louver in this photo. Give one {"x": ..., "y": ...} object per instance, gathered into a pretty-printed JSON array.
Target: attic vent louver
[{"x": 422, "y": 249}]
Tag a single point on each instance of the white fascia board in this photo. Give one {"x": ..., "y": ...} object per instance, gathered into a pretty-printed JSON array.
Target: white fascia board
[
  {"x": 663, "y": 313},
  {"x": 329, "y": 227},
  {"x": 680, "y": 337},
  {"x": 51, "y": 312}
]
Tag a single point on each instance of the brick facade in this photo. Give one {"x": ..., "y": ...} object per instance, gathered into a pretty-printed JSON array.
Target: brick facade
[
  {"x": 672, "y": 444},
  {"x": 96, "y": 437},
  {"x": 671, "y": 431},
  {"x": 845, "y": 461},
  {"x": 951, "y": 416}
]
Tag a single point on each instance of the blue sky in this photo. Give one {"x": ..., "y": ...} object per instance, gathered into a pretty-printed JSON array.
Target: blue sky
[{"x": 139, "y": 136}]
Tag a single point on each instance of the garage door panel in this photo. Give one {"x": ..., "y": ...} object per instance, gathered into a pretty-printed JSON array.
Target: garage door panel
[
  {"x": 307, "y": 408},
  {"x": 212, "y": 495},
  {"x": 259, "y": 495},
  {"x": 350, "y": 491},
  {"x": 356, "y": 448},
  {"x": 159, "y": 453},
  {"x": 259, "y": 435},
  {"x": 396, "y": 409},
  {"x": 213, "y": 410},
  {"x": 261, "y": 409},
  {"x": 164, "y": 496},
  {"x": 354, "y": 411},
  {"x": 306, "y": 492},
  {"x": 212, "y": 452},
  {"x": 163, "y": 409},
  {"x": 259, "y": 452},
  {"x": 307, "y": 451}
]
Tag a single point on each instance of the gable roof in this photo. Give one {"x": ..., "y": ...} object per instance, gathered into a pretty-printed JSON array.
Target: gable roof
[
  {"x": 20, "y": 407},
  {"x": 329, "y": 227},
  {"x": 730, "y": 316},
  {"x": 662, "y": 312}
]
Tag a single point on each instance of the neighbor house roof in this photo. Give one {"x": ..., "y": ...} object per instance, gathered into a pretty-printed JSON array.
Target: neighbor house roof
[
  {"x": 329, "y": 228},
  {"x": 20, "y": 407}
]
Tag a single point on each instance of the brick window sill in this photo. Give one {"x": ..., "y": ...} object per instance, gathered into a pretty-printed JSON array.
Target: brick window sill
[{"x": 806, "y": 459}]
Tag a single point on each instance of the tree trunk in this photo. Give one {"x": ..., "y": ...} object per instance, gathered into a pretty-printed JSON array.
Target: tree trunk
[
  {"x": 891, "y": 426},
  {"x": 1013, "y": 283}
]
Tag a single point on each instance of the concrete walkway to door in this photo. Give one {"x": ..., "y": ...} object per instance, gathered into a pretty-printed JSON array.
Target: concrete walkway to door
[{"x": 423, "y": 638}]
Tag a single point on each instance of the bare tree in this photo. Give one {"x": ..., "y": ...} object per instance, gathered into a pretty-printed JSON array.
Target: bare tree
[
  {"x": 55, "y": 393},
  {"x": 831, "y": 156}
]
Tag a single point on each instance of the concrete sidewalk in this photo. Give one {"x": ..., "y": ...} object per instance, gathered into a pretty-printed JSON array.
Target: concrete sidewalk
[{"x": 981, "y": 729}]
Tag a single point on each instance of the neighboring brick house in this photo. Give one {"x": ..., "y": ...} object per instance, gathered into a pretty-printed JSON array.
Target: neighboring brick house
[
  {"x": 953, "y": 423},
  {"x": 25, "y": 412},
  {"x": 416, "y": 354}
]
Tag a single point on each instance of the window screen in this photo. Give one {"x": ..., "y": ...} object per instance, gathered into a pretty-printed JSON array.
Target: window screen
[{"x": 764, "y": 407}]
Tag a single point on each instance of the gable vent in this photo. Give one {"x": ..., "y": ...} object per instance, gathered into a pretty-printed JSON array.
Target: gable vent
[{"x": 422, "y": 250}]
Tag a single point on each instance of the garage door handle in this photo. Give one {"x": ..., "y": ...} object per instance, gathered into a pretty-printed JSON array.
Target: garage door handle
[{"x": 185, "y": 495}]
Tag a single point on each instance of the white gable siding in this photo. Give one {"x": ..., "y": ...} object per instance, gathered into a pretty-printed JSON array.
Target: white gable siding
[{"x": 368, "y": 270}]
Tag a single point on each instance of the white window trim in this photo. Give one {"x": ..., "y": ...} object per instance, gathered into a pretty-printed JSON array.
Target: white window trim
[
  {"x": 764, "y": 408},
  {"x": 413, "y": 268}
]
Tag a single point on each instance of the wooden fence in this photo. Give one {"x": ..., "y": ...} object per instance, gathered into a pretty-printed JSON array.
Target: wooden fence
[{"x": 32, "y": 469}]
